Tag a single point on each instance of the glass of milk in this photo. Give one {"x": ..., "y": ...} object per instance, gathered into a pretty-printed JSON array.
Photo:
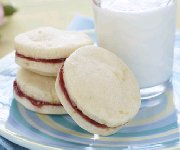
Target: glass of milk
[{"x": 140, "y": 32}]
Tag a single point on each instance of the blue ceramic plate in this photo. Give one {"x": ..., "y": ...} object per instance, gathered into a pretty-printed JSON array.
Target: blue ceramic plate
[{"x": 153, "y": 128}]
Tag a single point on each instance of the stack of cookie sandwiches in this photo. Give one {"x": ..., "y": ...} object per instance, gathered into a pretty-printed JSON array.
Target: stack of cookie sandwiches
[
  {"x": 40, "y": 53},
  {"x": 64, "y": 73}
]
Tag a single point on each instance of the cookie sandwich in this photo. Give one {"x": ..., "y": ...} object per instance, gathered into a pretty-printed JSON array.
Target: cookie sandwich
[
  {"x": 98, "y": 90},
  {"x": 37, "y": 93},
  {"x": 44, "y": 50}
]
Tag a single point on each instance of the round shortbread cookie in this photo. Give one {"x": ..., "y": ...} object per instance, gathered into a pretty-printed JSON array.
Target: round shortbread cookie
[
  {"x": 45, "y": 69},
  {"x": 37, "y": 93},
  {"x": 53, "y": 110},
  {"x": 50, "y": 43},
  {"x": 101, "y": 86}
]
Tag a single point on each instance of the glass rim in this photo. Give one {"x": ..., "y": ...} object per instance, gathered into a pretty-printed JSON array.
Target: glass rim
[{"x": 98, "y": 2}]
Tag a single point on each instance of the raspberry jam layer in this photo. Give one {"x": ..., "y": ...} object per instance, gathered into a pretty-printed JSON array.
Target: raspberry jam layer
[
  {"x": 37, "y": 103},
  {"x": 53, "y": 61},
  {"x": 73, "y": 105}
]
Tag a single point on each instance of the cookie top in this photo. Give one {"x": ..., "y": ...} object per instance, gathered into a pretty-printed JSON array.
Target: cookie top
[
  {"x": 49, "y": 43},
  {"x": 37, "y": 86},
  {"x": 102, "y": 86}
]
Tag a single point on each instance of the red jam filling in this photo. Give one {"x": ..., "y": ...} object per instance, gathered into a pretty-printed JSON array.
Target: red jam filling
[
  {"x": 37, "y": 103},
  {"x": 53, "y": 61},
  {"x": 73, "y": 105}
]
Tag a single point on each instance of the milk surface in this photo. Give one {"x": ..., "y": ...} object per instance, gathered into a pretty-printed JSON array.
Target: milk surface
[{"x": 140, "y": 32}]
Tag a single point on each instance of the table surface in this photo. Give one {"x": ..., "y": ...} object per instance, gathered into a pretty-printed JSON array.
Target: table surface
[{"x": 33, "y": 13}]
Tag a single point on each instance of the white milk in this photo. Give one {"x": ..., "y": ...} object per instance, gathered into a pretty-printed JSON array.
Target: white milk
[{"x": 141, "y": 32}]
